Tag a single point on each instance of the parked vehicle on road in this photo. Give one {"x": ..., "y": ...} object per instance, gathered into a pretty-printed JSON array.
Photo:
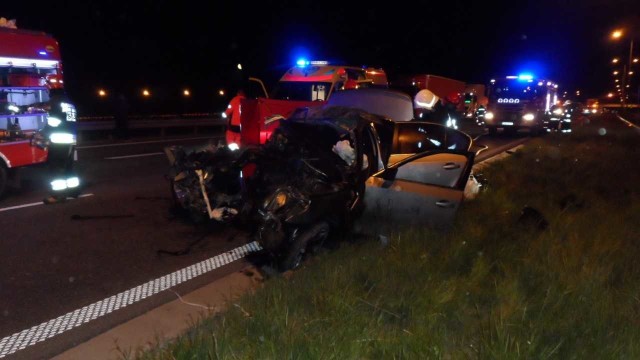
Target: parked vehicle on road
[
  {"x": 32, "y": 100},
  {"x": 310, "y": 84},
  {"x": 519, "y": 102}
]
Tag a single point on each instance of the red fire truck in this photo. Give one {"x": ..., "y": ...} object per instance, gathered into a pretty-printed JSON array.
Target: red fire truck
[
  {"x": 30, "y": 81},
  {"x": 307, "y": 84}
]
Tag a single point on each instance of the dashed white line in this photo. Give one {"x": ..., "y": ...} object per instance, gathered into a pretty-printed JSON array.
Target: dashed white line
[
  {"x": 73, "y": 319},
  {"x": 133, "y": 156},
  {"x": 33, "y": 204}
]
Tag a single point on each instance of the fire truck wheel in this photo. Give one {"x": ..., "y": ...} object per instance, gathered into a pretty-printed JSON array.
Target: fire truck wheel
[{"x": 3, "y": 179}]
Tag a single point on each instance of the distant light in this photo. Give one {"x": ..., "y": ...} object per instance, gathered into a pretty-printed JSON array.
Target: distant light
[
  {"x": 555, "y": 86},
  {"x": 239, "y": 66},
  {"x": 630, "y": 72},
  {"x": 627, "y": 86},
  {"x": 42, "y": 52},
  {"x": 493, "y": 81},
  {"x": 635, "y": 60},
  {"x": 221, "y": 92},
  {"x": 540, "y": 83},
  {"x": 233, "y": 147},
  {"x": 617, "y": 80},
  {"x": 186, "y": 92},
  {"x": 616, "y": 34},
  {"x": 618, "y": 85},
  {"x": 512, "y": 77},
  {"x": 102, "y": 93},
  {"x": 146, "y": 93},
  {"x": 525, "y": 77},
  {"x": 615, "y": 60},
  {"x": 615, "y": 72}
]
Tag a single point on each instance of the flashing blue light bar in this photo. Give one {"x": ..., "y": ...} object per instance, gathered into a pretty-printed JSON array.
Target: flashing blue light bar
[
  {"x": 302, "y": 62},
  {"x": 319, "y": 62},
  {"x": 525, "y": 77},
  {"x": 42, "y": 52},
  {"x": 512, "y": 77}
]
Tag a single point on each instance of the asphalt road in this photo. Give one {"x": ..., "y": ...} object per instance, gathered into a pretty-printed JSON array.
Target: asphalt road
[{"x": 57, "y": 258}]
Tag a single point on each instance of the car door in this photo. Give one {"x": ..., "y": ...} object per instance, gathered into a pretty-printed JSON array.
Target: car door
[{"x": 410, "y": 193}]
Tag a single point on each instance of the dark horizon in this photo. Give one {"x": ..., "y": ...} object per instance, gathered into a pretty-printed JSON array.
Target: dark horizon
[{"x": 167, "y": 47}]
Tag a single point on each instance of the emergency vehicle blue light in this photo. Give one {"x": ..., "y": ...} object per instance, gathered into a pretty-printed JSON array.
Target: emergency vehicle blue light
[
  {"x": 525, "y": 77},
  {"x": 42, "y": 52},
  {"x": 302, "y": 62}
]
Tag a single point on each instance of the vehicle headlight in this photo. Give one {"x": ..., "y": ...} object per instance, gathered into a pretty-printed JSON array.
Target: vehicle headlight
[
  {"x": 73, "y": 182},
  {"x": 224, "y": 115},
  {"x": 528, "y": 117},
  {"x": 62, "y": 138},
  {"x": 276, "y": 202},
  {"x": 488, "y": 115},
  {"x": 557, "y": 111},
  {"x": 53, "y": 121},
  {"x": 233, "y": 146}
]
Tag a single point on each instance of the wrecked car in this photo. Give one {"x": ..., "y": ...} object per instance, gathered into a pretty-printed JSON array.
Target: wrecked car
[
  {"x": 305, "y": 182},
  {"x": 323, "y": 171}
]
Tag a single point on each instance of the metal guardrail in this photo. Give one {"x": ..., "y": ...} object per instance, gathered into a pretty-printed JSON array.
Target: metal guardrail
[{"x": 160, "y": 122}]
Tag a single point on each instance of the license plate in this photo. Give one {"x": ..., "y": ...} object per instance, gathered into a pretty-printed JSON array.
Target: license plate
[{"x": 507, "y": 123}]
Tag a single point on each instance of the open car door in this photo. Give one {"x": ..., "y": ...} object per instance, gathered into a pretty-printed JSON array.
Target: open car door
[{"x": 424, "y": 189}]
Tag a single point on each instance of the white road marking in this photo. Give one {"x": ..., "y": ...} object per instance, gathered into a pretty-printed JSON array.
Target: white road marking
[
  {"x": 133, "y": 156},
  {"x": 629, "y": 123},
  {"x": 73, "y": 319},
  {"x": 145, "y": 142},
  {"x": 33, "y": 204}
]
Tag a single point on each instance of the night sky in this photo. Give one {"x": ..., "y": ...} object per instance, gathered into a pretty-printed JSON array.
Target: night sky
[{"x": 124, "y": 46}]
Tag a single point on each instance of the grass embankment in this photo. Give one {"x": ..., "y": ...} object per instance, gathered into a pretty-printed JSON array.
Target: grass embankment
[{"x": 495, "y": 287}]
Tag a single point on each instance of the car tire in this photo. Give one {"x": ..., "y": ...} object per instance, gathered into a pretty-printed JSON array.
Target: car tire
[{"x": 294, "y": 255}]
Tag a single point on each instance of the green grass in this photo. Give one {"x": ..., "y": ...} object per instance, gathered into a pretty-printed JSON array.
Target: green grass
[{"x": 492, "y": 288}]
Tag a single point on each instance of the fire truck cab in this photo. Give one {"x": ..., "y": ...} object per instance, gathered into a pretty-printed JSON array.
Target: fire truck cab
[
  {"x": 317, "y": 80},
  {"x": 519, "y": 102},
  {"x": 308, "y": 84},
  {"x": 32, "y": 100}
]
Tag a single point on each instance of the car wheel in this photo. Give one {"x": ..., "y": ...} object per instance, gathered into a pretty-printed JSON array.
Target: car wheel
[{"x": 295, "y": 253}]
